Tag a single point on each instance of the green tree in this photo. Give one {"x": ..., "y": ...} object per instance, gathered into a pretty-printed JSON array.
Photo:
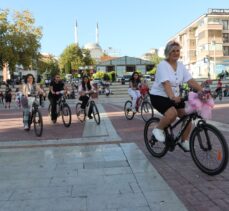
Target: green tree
[
  {"x": 156, "y": 59},
  {"x": 73, "y": 57},
  {"x": 48, "y": 63},
  {"x": 19, "y": 39}
]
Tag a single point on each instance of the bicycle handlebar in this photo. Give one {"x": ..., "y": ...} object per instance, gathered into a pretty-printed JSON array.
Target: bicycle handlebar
[{"x": 203, "y": 96}]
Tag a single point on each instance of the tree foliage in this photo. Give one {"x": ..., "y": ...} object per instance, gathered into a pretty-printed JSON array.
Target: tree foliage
[
  {"x": 19, "y": 39},
  {"x": 73, "y": 57},
  {"x": 48, "y": 64},
  {"x": 156, "y": 59}
]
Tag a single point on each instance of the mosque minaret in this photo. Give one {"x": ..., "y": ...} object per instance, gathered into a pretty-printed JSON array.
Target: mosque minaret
[
  {"x": 97, "y": 33},
  {"x": 76, "y": 34}
]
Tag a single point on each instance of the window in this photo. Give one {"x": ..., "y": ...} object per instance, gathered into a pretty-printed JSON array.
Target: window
[
  {"x": 225, "y": 24},
  {"x": 225, "y": 37},
  {"x": 226, "y": 50}
]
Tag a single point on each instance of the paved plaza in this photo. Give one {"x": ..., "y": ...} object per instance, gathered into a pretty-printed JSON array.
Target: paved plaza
[{"x": 101, "y": 168}]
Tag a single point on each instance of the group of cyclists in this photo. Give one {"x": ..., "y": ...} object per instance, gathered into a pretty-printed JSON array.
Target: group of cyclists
[
  {"x": 57, "y": 88},
  {"x": 164, "y": 94}
]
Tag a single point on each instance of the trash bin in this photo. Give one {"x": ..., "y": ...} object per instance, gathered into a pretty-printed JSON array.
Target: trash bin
[{"x": 123, "y": 81}]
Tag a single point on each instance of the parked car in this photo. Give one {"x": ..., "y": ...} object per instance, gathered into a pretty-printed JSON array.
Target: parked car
[
  {"x": 127, "y": 78},
  {"x": 148, "y": 77},
  {"x": 97, "y": 81},
  {"x": 118, "y": 78}
]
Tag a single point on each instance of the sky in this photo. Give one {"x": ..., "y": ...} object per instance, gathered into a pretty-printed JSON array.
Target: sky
[{"x": 126, "y": 27}]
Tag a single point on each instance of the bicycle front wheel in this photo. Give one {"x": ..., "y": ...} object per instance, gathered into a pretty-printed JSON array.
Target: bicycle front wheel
[
  {"x": 66, "y": 115},
  {"x": 95, "y": 113},
  {"x": 38, "y": 123},
  {"x": 156, "y": 148},
  {"x": 49, "y": 110},
  {"x": 146, "y": 111},
  {"x": 80, "y": 113},
  {"x": 129, "y": 114},
  {"x": 209, "y": 149}
]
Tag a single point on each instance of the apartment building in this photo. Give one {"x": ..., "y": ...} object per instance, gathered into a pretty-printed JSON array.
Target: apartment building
[{"x": 205, "y": 44}]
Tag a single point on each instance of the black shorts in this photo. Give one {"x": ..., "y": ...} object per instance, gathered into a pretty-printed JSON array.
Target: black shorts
[{"x": 162, "y": 104}]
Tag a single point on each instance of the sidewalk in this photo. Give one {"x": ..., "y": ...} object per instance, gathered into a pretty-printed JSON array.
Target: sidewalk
[{"x": 86, "y": 178}]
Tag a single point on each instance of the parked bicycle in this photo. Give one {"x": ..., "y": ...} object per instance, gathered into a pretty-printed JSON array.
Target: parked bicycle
[
  {"x": 35, "y": 118},
  {"x": 208, "y": 147},
  {"x": 143, "y": 106},
  {"x": 82, "y": 113},
  {"x": 62, "y": 110}
]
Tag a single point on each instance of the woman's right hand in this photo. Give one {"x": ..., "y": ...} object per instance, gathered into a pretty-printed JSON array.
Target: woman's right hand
[{"x": 176, "y": 99}]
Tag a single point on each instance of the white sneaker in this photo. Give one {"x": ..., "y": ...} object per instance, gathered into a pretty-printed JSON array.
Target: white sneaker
[
  {"x": 159, "y": 134},
  {"x": 134, "y": 110},
  {"x": 185, "y": 145},
  {"x": 26, "y": 127}
]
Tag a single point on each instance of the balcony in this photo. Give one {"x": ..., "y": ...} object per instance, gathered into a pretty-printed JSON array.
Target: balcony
[{"x": 211, "y": 26}]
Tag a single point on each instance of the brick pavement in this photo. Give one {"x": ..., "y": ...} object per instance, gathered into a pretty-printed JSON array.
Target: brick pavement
[
  {"x": 12, "y": 127},
  {"x": 197, "y": 191}
]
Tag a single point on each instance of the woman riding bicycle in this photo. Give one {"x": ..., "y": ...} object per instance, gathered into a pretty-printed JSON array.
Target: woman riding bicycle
[
  {"x": 133, "y": 89},
  {"x": 85, "y": 89},
  {"x": 165, "y": 92},
  {"x": 29, "y": 91},
  {"x": 55, "y": 90}
]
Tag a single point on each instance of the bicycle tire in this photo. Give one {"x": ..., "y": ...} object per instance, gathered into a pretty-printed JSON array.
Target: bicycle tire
[
  {"x": 198, "y": 144},
  {"x": 66, "y": 112},
  {"x": 129, "y": 114},
  {"x": 95, "y": 113},
  {"x": 81, "y": 115},
  {"x": 49, "y": 110},
  {"x": 38, "y": 123},
  {"x": 156, "y": 148},
  {"x": 146, "y": 111}
]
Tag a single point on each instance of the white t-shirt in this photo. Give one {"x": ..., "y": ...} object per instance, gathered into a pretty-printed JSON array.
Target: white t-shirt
[{"x": 165, "y": 72}]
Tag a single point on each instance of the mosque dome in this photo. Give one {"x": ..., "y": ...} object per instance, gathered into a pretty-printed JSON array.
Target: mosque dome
[
  {"x": 90, "y": 46},
  {"x": 95, "y": 50}
]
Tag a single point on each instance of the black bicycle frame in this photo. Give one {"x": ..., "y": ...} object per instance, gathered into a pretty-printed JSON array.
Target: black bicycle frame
[{"x": 187, "y": 119}]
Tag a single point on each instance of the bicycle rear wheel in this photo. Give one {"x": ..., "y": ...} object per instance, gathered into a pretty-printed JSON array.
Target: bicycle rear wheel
[
  {"x": 129, "y": 114},
  {"x": 38, "y": 123},
  {"x": 209, "y": 149},
  {"x": 80, "y": 113},
  {"x": 66, "y": 115},
  {"x": 95, "y": 113},
  {"x": 156, "y": 148},
  {"x": 146, "y": 111},
  {"x": 49, "y": 110}
]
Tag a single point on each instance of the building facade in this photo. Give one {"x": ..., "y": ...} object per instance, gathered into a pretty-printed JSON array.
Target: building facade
[{"x": 205, "y": 44}]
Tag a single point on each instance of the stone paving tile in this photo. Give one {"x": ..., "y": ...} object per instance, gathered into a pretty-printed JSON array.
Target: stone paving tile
[
  {"x": 57, "y": 204},
  {"x": 116, "y": 201},
  {"x": 82, "y": 178}
]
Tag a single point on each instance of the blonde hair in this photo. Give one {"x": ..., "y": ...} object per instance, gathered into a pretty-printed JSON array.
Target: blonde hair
[{"x": 170, "y": 46}]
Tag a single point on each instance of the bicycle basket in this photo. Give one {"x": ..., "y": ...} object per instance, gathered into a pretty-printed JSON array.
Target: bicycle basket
[{"x": 144, "y": 90}]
